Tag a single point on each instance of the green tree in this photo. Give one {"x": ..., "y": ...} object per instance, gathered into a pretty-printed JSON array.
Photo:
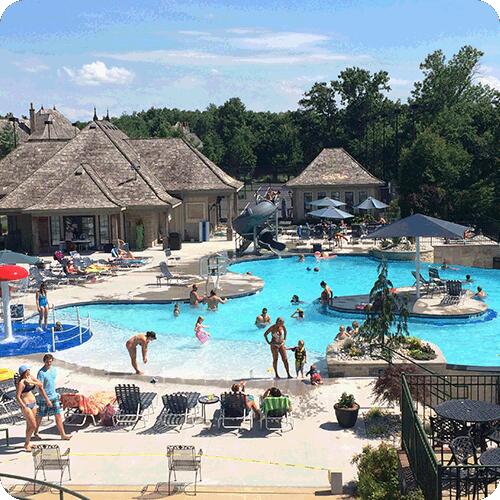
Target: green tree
[{"x": 7, "y": 140}]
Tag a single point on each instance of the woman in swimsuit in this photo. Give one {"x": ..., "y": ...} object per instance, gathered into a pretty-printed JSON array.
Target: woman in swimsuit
[
  {"x": 42, "y": 305},
  {"x": 27, "y": 401},
  {"x": 277, "y": 343},
  {"x": 143, "y": 341}
]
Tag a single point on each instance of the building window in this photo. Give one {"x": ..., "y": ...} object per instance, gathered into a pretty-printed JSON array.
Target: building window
[
  {"x": 362, "y": 196},
  {"x": 321, "y": 195},
  {"x": 55, "y": 231},
  {"x": 336, "y": 195},
  {"x": 195, "y": 212},
  {"x": 349, "y": 198},
  {"x": 307, "y": 200},
  {"x": 104, "y": 229}
]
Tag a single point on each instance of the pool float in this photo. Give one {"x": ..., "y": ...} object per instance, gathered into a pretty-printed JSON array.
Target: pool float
[
  {"x": 202, "y": 335},
  {"x": 324, "y": 257},
  {"x": 6, "y": 374}
]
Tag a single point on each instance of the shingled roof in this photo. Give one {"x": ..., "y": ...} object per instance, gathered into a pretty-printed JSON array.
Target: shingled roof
[
  {"x": 181, "y": 167},
  {"x": 108, "y": 175},
  {"x": 59, "y": 128},
  {"x": 334, "y": 166},
  {"x": 22, "y": 128}
]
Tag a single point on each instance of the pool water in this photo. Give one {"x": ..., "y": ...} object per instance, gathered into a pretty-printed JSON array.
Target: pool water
[{"x": 237, "y": 347}]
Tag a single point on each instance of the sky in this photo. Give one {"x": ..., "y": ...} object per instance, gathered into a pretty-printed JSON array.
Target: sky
[{"x": 129, "y": 56}]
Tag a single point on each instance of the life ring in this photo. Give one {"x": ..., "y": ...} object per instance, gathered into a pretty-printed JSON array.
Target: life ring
[{"x": 6, "y": 374}]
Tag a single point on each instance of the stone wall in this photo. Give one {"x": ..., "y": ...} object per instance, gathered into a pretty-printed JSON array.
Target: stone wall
[
  {"x": 467, "y": 255},
  {"x": 151, "y": 221}
]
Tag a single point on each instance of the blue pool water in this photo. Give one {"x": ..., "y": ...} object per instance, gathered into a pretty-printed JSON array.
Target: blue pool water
[{"x": 237, "y": 347}]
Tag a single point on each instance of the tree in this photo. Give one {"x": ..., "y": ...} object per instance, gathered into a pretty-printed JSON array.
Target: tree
[
  {"x": 386, "y": 318},
  {"x": 7, "y": 140},
  {"x": 239, "y": 157}
]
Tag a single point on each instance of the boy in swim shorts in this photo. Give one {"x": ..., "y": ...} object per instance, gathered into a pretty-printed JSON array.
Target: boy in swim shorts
[{"x": 300, "y": 357}]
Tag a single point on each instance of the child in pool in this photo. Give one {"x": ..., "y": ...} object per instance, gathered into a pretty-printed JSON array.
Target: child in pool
[
  {"x": 315, "y": 375},
  {"x": 200, "y": 330},
  {"x": 177, "y": 310},
  {"x": 298, "y": 314},
  {"x": 300, "y": 357}
]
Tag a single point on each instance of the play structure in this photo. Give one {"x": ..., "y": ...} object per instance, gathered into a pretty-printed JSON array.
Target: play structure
[
  {"x": 212, "y": 268},
  {"x": 258, "y": 224}
]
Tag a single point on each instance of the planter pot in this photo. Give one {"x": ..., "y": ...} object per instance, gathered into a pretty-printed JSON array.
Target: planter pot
[{"x": 347, "y": 417}]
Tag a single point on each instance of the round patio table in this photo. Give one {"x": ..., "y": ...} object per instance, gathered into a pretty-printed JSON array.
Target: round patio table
[
  {"x": 207, "y": 400},
  {"x": 490, "y": 457},
  {"x": 468, "y": 410}
]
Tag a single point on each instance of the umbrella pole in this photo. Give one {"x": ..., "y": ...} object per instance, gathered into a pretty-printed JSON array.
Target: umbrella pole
[
  {"x": 417, "y": 264},
  {"x": 7, "y": 322}
]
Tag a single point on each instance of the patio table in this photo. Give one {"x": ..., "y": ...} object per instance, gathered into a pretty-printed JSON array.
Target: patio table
[
  {"x": 490, "y": 457},
  {"x": 468, "y": 410}
]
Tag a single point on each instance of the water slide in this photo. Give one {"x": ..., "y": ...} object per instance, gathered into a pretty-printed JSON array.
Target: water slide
[{"x": 255, "y": 218}]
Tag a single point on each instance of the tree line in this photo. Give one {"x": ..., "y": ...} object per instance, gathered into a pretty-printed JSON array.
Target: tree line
[{"x": 439, "y": 149}]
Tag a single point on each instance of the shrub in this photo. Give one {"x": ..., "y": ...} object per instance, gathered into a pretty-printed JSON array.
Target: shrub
[
  {"x": 387, "y": 387},
  {"x": 346, "y": 401},
  {"x": 413, "y": 342},
  {"x": 421, "y": 355},
  {"x": 374, "y": 412},
  {"x": 378, "y": 473}
]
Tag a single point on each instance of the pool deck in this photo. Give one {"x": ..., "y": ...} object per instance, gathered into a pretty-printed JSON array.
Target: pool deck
[{"x": 426, "y": 306}]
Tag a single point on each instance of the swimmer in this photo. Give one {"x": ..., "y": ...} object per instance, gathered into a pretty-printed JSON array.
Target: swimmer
[
  {"x": 316, "y": 269},
  {"x": 295, "y": 300},
  {"x": 200, "y": 330},
  {"x": 213, "y": 301},
  {"x": 263, "y": 319},
  {"x": 308, "y": 269},
  {"x": 143, "y": 341},
  {"x": 194, "y": 297},
  {"x": 302, "y": 258},
  {"x": 468, "y": 279},
  {"x": 342, "y": 335},
  {"x": 326, "y": 294},
  {"x": 177, "y": 310},
  {"x": 298, "y": 314},
  {"x": 444, "y": 265},
  {"x": 480, "y": 294}
]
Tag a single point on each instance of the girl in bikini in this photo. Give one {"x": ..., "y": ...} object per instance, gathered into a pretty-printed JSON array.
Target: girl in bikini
[{"x": 277, "y": 344}]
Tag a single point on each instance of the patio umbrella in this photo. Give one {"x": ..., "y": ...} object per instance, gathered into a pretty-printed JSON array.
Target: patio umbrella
[
  {"x": 9, "y": 273},
  {"x": 327, "y": 202},
  {"x": 330, "y": 213},
  {"x": 418, "y": 225},
  {"x": 371, "y": 204},
  {"x": 10, "y": 257}
]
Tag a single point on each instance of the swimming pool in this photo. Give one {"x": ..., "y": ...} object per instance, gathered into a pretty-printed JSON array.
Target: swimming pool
[{"x": 237, "y": 347}]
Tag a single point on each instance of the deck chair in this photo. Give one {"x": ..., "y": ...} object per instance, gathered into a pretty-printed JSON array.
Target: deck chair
[
  {"x": 183, "y": 458},
  {"x": 168, "y": 276},
  {"x": 435, "y": 278},
  {"x": 130, "y": 409},
  {"x": 48, "y": 457},
  {"x": 233, "y": 411},
  {"x": 276, "y": 414},
  {"x": 10, "y": 411},
  {"x": 427, "y": 285},
  {"x": 454, "y": 292},
  {"x": 183, "y": 405}
]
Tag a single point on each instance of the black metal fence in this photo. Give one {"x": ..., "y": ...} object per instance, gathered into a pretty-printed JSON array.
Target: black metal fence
[{"x": 437, "y": 475}]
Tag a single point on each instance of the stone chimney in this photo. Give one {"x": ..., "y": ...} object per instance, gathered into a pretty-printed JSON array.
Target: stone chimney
[{"x": 32, "y": 119}]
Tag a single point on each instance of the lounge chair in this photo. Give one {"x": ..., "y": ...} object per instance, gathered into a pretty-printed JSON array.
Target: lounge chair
[
  {"x": 454, "y": 292},
  {"x": 183, "y": 458},
  {"x": 168, "y": 276},
  {"x": 276, "y": 414},
  {"x": 79, "y": 407},
  {"x": 130, "y": 408},
  {"x": 233, "y": 411},
  {"x": 427, "y": 285},
  {"x": 10, "y": 411},
  {"x": 183, "y": 405},
  {"x": 48, "y": 457}
]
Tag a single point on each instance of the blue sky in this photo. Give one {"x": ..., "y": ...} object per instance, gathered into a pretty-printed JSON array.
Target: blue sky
[{"x": 129, "y": 55}]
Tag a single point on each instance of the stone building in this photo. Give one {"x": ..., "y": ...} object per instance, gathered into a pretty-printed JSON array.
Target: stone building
[
  {"x": 336, "y": 174},
  {"x": 96, "y": 185}
]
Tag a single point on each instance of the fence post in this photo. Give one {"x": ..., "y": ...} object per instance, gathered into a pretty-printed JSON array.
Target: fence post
[
  {"x": 53, "y": 340},
  {"x": 79, "y": 324}
]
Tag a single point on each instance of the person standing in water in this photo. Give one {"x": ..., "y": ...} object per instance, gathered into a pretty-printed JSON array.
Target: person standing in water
[
  {"x": 177, "y": 310},
  {"x": 326, "y": 294},
  {"x": 143, "y": 341},
  {"x": 213, "y": 301},
  {"x": 263, "y": 319},
  {"x": 42, "y": 304},
  {"x": 277, "y": 344},
  {"x": 194, "y": 297}
]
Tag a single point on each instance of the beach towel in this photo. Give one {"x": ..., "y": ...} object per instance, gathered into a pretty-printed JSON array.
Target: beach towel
[
  {"x": 280, "y": 405},
  {"x": 88, "y": 405}
]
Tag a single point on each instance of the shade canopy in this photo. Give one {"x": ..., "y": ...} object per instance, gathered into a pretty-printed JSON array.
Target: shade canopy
[
  {"x": 327, "y": 202},
  {"x": 10, "y": 257},
  {"x": 12, "y": 273},
  {"x": 371, "y": 204},
  {"x": 330, "y": 213},
  {"x": 420, "y": 225}
]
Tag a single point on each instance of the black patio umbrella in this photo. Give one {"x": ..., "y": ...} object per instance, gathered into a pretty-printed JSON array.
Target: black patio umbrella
[
  {"x": 327, "y": 202},
  {"x": 418, "y": 225},
  {"x": 371, "y": 204}
]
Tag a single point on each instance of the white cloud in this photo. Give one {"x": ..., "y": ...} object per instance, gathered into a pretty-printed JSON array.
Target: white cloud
[
  {"x": 97, "y": 73},
  {"x": 281, "y": 40},
  {"x": 32, "y": 67},
  {"x": 396, "y": 82},
  {"x": 243, "y": 31},
  {"x": 490, "y": 80},
  {"x": 194, "y": 33},
  {"x": 200, "y": 58}
]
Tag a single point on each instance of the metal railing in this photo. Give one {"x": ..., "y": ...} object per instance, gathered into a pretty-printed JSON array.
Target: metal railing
[
  {"x": 62, "y": 490},
  {"x": 437, "y": 479},
  {"x": 80, "y": 330}
]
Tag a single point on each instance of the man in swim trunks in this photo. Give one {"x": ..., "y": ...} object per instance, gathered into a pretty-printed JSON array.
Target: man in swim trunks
[
  {"x": 194, "y": 297},
  {"x": 277, "y": 344},
  {"x": 143, "y": 341},
  {"x": 326, "y": 294},
  {"x": 263, "y": 319},
  {"x": 213, "y": 301}
]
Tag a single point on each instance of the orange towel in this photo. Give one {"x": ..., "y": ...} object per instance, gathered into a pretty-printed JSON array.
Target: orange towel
[{"x": 89, "y": 405}]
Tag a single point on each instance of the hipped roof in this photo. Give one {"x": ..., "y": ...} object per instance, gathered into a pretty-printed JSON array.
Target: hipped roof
[
  {"x": 59, "y": 128},
  {"x": 181, "y": 167},
  {"x": 334, "y": 166},
  {"x": 112, "y": 176}
]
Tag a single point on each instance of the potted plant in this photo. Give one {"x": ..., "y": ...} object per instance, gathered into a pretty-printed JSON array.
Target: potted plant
[{"x": 346, "y": 410}]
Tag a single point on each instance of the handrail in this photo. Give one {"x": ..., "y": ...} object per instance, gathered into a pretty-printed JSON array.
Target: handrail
[{"x": 61, "y": 489}]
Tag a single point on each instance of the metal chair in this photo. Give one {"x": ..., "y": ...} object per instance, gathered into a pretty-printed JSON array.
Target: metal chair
[
  {"x": 443, "y": 431},
  {"x": 48, "y": 457},
  {"x": 130, "y": 408},
  {"x": 233, "y": 411},
  {"x": 276, "y": 414},
  {"x": 183, "y": 458},
  {"x": 183, "y": 405}
]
